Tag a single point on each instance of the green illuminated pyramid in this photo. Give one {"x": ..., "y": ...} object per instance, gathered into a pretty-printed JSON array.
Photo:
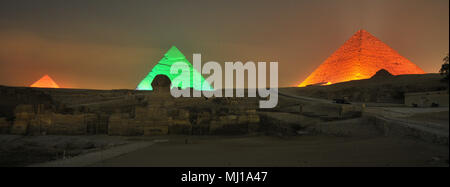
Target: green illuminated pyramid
[{"x": 163, "y": 68}]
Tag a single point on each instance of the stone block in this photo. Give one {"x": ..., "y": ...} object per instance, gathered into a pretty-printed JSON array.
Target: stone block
[
  {"x": 228, "y": 129},
  {"x": 200, "y": 129},
  {"x": 68, "y": 124},
  {"x": 24, "y": 109},
  {"x": 253, "y": 119},
  {"x": 180, "y": 127},
  {"x": 251, "y": 111},
  {"x": 183, "y": 114},
  {"x": 117, "y": 126},
  {"x": 5, "y": 126},
  {"x": 34, "y": 127},
  {"x": 203, "y": 118},
  {"x": 349, "y": 111},
  {"x": 243, "y": 119},
  {"x": 214, "y": 125},
  {"x": 24, "y": 115},
  {"x": 156, "y": 130},
  {"x": 228, "y": 119},
  {"x": 150, "y": 113},
  {"x": 19, "y": 127},
  {"x": 253, "y": 127}
]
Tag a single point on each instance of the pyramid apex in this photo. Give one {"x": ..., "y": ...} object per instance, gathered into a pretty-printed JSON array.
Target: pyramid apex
[
  {"x": 363, "y": 32},
  {"x": 46, "y": 76},
  {"x": 174, "y": 52},
  {"x": 173, "y": 48}
]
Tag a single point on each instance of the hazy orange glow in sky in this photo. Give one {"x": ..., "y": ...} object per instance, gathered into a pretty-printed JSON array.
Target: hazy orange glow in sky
[{"x": 112, "y": 44}]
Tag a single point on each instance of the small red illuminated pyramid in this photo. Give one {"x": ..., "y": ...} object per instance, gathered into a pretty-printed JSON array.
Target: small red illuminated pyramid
[
  {"x": 360, "y": 57},
  {"x": 45, "y": 82}
]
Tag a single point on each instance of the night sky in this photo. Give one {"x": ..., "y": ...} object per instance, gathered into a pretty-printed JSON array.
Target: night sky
[{"x": 109, "y": 44}]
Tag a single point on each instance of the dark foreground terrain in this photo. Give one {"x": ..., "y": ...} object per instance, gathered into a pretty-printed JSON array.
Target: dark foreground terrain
[
  {"x": 16, "y": 150},
  {"x": 294, "y": 151},
  {"x": 264, "y": 151}
]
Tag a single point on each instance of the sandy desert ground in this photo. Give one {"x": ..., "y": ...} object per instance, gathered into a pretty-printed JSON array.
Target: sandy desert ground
[{"x": 255, "y": 150}]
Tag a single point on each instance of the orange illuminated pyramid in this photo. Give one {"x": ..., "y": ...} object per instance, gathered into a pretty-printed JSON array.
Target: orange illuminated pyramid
[
  {"x": 45, "y": 82},
  {"x": 360, "y": 58}
]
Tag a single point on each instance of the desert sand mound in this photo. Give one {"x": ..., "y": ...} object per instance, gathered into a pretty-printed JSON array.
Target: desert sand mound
[
  {"x": 389, "y": 89},
  {"x": 381, "y": 74}
]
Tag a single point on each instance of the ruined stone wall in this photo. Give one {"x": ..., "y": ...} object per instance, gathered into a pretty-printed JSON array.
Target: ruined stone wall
[
  {"x": 129, "y": 113},
  {"x": 194, "y": 116},
  {"x": 34, "y": 120},
  {"x": 23, "y": 115},
  {"x": 150, "y": 120},
  {"x": 120, "y": 125},
  {"x": 155, "y": 119},
  {"x": 10, "y": 97},
  {"x": 237, "y": 123},
  {"x": 427, "y": 99}
]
